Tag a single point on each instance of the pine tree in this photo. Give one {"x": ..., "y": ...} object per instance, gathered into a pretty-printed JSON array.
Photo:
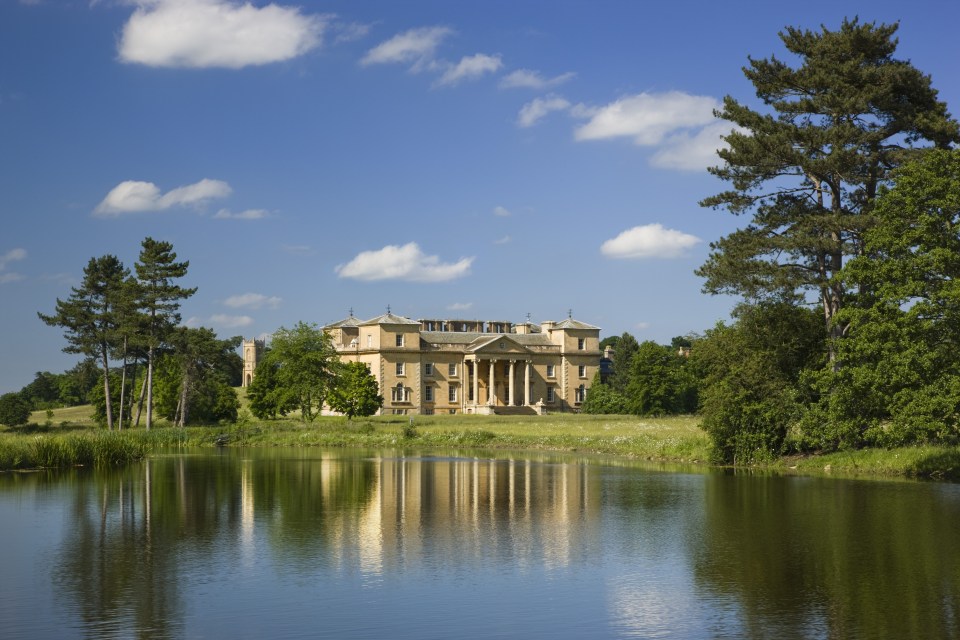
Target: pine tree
[
  {"x": 809, "y": 168},
  {"x": 90, "y": 316},
  {"x": 160, "y": 299}
]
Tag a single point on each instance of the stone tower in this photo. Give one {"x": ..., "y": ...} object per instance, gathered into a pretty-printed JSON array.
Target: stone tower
[{"x": 252, "y": 352}]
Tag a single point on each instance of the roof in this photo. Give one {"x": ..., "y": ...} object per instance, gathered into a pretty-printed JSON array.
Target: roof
[
  {"x": 570, "y": 323},
  {"x": 470, "y": 337},
  {"x": 346, "y": 322},
  {"x": 389, "y": 318}
]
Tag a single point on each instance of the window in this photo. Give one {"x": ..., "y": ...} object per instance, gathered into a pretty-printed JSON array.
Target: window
[
  {"x": 506, "y": 369},
  {"x": 581, "y": 343},
  {"x": 428, "y": 369},
  {"x": 399, "y": 393},
  {"x": 428, "y": 394},
  {"x": 452, "y": 394},
  {"x": 399, "y": 339},
  {"x": 550, "y": 373},
  {"x": 551, "y": 394},
  {"x": 399, "y": 368},
  {"x": 452, "y": 369},
  {"x": 369, "y": 339},
  {"x": 582, "y": 371},
  {"x": 580, "y": 393}
]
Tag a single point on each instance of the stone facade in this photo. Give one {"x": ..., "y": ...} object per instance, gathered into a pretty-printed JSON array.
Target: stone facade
[{"x": 470, "y": 366}]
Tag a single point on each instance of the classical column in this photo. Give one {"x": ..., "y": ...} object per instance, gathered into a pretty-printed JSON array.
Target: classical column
[
  {"x": 492, "y": 390},
  {"x": 476, "y": 382},
  {"x": 513, "y": 397},
  {"x": 526, "y": 385}
]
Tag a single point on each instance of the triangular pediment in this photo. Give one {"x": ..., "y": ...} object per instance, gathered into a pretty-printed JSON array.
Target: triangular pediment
[{"x": 496, "y": 345}]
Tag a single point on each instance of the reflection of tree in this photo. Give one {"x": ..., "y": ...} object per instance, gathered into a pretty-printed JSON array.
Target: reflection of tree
[
  {"x": 109, "y": 565},
  {"x": 828, "y": 558}
]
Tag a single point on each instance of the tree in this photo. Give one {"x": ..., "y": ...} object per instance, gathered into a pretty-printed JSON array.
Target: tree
[
  {"x": 297, "y": 372},
  {"x": 89, "y": 316},
  {"x": 43, "y": 392},
  {"x": 900, "y": 380},
  {"x": 160, "y": 299},
  {"x": 355, "y": 392},
  {"x": 659, "y": 384},
  {"x": 196, "y": 377},
  {"x": 624, "y": 349},
  {"x": 14, "y": 410},
  {"x": 808, "y": 171},
  {"x": 603, "y": 399},
  {"x": 750, "y": 378}
]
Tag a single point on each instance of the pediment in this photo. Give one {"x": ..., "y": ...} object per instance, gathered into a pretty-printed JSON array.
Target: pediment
[{"x": 497, "y": 345}]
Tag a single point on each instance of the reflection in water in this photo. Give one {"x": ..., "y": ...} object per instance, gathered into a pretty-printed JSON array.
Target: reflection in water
[{"x": 282, "y": 543}]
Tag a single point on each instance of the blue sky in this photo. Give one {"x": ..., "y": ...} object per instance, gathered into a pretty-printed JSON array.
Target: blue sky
[{"x": 449, "y": 159}]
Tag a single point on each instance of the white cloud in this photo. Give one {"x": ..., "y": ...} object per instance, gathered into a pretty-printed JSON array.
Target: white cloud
[
  {"x": 503, "y": 240},
  {"x": 249, "y": 214},
  {"x": 459, "y": 306},
  {"x": 415, "y": 46},
  {"x": 350, "y": 31},
  {"x": 503, "y": 212},
  {"x": 12, "y": 256},
  {"x": 642, "y": 325},
  {"x": 649, "y": 241},
  {"x": 648, "y": 118},
  {"x": 216, "y": 33},
  {"x": 528, "y": 79},
  {"x": 252, "y": 301},
  {"x": 694, "y": 152},
  {"x": 230, "y": 322},
  {"x": 469, "y": 67},
  {"x": 133, "y": 196},
  {"x": 402, "y": 263},
  {"x": 538, "y": 108}
]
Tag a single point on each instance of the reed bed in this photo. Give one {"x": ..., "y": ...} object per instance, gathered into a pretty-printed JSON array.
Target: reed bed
[{"x": 89, "y": 449}]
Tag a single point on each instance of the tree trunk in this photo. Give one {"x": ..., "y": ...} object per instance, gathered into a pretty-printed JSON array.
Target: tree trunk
[
  {"x": 123, "y": 384},
  {"x": 184, "y": 406},
  {"x": 149, "y": 387},
  {"x": 143, "y": 391},
  {"x": 106, "y": 389}
]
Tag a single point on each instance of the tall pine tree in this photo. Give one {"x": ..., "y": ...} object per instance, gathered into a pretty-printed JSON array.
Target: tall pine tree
[
  {"x": 808, "y": 167},
  {"x": 90, "y": 316},
  {"x": 160, "y": 298}
]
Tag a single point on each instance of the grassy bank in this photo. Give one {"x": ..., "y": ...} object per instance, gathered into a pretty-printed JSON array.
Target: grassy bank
[{"x": 68, "y": 438}]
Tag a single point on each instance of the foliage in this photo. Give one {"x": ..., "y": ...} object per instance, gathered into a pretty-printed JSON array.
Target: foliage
[
  {"x": 625, "y": 348},
  {"x": 899, "y": 379},
  {"x": 43, "y": 392},
  {"x": 355, "y": 391},
  {"x": 297, "y": 372},
  {"x": 603, "y": 399},
  {"x": 660, "y": 383},
  {"x": 193, "y": 379},
  {"x": 14, "y": 410},
  {"x": 750, "y": 375},
  {"x": 808, "y": 171},
  {"x": 89, "y": 316},
  {"x": 159, "y": 300}
]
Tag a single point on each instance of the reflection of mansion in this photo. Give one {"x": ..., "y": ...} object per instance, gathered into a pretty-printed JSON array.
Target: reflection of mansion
[{"x": 466, "y": 366}]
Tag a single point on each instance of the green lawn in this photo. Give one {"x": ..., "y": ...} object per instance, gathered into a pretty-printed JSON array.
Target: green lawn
[{"x": 670, "y": 439}]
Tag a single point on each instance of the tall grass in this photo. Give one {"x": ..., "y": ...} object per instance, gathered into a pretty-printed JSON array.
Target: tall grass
[{"x": 91, "y": 449}]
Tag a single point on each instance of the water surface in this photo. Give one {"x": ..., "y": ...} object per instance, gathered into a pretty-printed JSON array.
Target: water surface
[{"x": 339, "y": 544}]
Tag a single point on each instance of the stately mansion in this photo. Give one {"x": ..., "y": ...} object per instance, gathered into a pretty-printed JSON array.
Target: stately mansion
[{"x": 466, "y": 366}]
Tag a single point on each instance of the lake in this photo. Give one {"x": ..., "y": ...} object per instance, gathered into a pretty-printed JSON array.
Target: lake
[{"x": 314, "y": 543}]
